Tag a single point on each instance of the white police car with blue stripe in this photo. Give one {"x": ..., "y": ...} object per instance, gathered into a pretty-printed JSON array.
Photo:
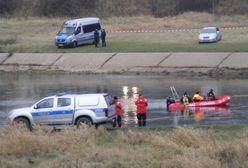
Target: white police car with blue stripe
[{"x": 72, "y": 109}]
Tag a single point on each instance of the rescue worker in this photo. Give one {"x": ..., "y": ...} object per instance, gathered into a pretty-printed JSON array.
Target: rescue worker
[
  {"x": 197, "y": 97},
  {"x": 185, "y": 99},
  {"x": 103, "y": 38},
  {"x": 96, "y": 38},
  {"x": 118, "y": 112},
  {"x": 211, "y": 95},
  {"x": 141, "y": 104}
]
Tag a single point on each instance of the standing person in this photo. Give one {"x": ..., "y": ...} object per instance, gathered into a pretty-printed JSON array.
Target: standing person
[
  {"x": 96, "y": 38},
  {"x": 103, "y": 38},
  {"x": 211, "y": 95},
  {"x": 141, "y": 104},
  {"x": 118, "y": 112}
]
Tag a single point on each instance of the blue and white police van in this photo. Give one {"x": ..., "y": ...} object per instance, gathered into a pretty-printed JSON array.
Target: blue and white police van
[
  {"x": 80, "y": 110},
  {"x": 77, "y": 32}
]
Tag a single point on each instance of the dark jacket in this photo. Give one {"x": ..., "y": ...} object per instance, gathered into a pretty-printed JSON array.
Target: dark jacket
[
  {"x": 96, "y": 36},
  {"x": 103, "y": 35}
]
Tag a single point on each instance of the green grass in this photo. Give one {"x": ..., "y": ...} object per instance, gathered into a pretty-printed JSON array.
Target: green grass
[
  {"x": 135, "y": 47},
  {"x": 38, "y": 36}
]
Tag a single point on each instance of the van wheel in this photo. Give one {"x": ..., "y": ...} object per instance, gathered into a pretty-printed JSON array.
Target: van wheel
[
  {"x": 74, "y": 44},
  {"x": 84, "y": 122},
  {"x": 22, "y": 122}
]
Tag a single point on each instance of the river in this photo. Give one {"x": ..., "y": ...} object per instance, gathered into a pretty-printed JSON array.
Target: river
[{"x": 21, "y": 90}]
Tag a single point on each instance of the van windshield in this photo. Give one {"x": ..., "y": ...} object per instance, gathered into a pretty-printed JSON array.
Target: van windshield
[{"x": 67, "y": 30}]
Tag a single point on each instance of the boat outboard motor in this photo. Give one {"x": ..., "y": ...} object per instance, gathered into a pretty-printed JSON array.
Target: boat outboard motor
[{"x": 169, "y": 101}]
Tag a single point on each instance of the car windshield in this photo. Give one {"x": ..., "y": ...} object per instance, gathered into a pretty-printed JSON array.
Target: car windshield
[
  {"x": 208, "y": 31},
  {"x": 67, "y": 30}
]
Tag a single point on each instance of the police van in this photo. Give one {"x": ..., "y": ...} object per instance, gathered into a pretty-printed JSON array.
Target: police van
[
  {"x": 66, "y": 109},
  {"x": 77, "y": 32}
]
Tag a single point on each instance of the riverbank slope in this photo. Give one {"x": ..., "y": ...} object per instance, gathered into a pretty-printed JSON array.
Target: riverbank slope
[{"x": 183, "y": 64}]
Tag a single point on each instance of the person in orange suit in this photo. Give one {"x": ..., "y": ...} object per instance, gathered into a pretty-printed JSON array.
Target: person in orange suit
[
  {"x": 118, "y": 112},
  {"x": 197, "y": 97},
  {"x": 141, "y": 104}
]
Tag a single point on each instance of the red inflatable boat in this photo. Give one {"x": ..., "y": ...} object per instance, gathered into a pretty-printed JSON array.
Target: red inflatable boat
[{"x": 220, "y": 101}]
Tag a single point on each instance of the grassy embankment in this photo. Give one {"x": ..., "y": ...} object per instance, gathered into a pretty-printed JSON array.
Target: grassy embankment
[
  {"x": 37, "y": 34},
  {"x": 187, "y": 147}
]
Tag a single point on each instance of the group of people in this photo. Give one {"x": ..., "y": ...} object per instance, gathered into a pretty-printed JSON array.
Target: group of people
[
  {"x": 141, "y": 110},
  {"x": 142, "y": 103},
  {"x": 197, "y": 97},
  {"x": 97, "y": 38}
]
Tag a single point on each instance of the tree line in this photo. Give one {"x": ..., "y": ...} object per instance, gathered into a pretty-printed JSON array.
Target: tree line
[{"x": 108, "y": 8}]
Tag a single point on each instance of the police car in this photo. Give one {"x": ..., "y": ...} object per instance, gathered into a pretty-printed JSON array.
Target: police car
[
  {"x": 77, "y": 32},
  {"x": 73, "y": 109}
]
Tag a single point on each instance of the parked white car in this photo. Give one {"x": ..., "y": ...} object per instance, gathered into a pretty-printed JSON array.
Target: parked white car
[
  {"x": 209, "y": 34},
  {"x": 68, "y": 109}
]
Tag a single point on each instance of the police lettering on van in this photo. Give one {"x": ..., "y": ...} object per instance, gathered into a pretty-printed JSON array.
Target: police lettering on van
[{"x": 77, "y": 32}]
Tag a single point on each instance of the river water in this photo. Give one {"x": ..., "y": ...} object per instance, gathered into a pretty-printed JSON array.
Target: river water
[{"x": 21, "y": 90}]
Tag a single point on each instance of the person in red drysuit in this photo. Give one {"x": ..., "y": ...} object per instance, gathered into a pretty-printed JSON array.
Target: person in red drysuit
[
  {"x": 141, "y": 104},
  {"x": 118, "y": 112}
]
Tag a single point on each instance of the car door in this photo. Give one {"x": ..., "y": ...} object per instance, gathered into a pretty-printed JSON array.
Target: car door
[
  {"x": 88, "y": 32},
  {"x": 79, "y": 35},
  {"x": 42, "y": 111},
  {"x": 218, "y": 34},
  {"x": 110, "y": 104},
  {"x": 63, "y": 110}
]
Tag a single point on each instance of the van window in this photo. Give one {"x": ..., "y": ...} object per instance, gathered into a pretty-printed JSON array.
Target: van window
[
  {"x": 91, "y": 27},
  {"x": 67, "y": 30},
  {"x": 63, "y": 102},
  {"x": 78, "y": 30}
]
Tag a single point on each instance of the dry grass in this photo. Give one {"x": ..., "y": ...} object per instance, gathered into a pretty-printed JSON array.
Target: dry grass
[
  {"x": 180, "y": 147},
  {"x": 37, "y": 34},
  {"x": 190, "y": 20},
  {"x": 29, "y": 32}
]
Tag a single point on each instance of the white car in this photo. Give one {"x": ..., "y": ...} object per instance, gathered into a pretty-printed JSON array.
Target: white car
[
  {"x": 66, "y": 109},
  {"x": 209, "y": 34}
]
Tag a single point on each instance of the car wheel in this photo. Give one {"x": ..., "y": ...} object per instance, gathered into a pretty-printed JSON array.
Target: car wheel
[
  {"x": 84, "y": 122},
  {"x": 74, "y": 44},
  {"x": 22, "y": 122}
]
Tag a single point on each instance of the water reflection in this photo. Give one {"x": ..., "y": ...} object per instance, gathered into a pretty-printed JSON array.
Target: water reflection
[
  {"x": 129, "y": 97},
  {"x": 21, "y": 90},
  {"x": 199, "y": 114}
]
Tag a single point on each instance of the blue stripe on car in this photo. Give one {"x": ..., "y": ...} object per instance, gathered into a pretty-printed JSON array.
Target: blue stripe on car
[
  {"x": 63, "y": 112},
  {"x": 84, "y": 38},
  {"x": 47, "y": 113}
]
